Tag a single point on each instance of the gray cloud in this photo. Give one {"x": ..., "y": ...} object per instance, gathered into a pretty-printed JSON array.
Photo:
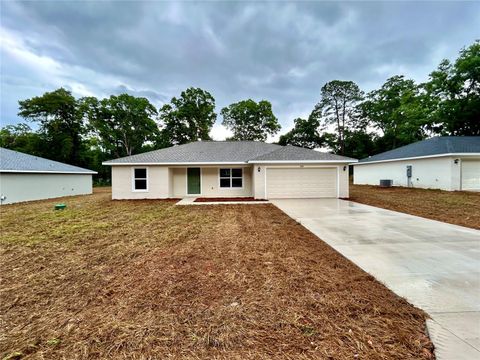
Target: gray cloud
[{"x": 283, "y": 52}]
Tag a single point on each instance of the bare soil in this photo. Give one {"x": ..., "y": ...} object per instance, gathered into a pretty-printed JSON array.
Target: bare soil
[
  {"x": 145, "y": 279},
  {"x": 454, "y": 207}
]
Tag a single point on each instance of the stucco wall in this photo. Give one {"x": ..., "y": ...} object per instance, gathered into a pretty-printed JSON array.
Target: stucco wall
[
  {"x": 210, "y": 183},
  {"x": 435, "y": 173},
  {"x": 17, "y": 187},
  {"x": 259, "y": 178},
  {"x": 158, "y": 183}
]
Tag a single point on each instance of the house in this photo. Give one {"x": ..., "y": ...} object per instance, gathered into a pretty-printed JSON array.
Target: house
[
  {"x": 230, "y": 169},
  {"x": 445, "y": 162},
  {"x": 25, "y": 177}
]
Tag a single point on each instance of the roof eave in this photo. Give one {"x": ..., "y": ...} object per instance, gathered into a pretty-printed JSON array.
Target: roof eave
[
  {"x": 419, "y": 157},
  {"x": 174, "y": 163},
  {"x": 301, "y": 161},
  {"x": 49, "y": 172}
]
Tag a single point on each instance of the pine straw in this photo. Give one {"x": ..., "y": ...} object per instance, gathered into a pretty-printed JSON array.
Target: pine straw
[
  {"x": 454, "y": 207},
  {"x": 146, "y": 279}
]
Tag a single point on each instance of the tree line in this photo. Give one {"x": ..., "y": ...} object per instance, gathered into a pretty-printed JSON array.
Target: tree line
[{"x": 350, "y": 122}]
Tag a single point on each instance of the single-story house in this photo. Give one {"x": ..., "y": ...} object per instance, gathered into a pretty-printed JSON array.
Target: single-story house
[
  {"x": 444, "y": 162},
  {"x": 230, "y": 169},
  {"x": 25, "y": 177}
]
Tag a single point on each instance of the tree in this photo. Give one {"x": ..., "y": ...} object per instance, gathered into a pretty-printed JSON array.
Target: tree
[
  {"x": 188, "y": 118},
  {"x": 249, "y": 120},
  {"x": 305, "y": 133},
  {"x": 455, "y": 91},
  {"x": 337, "y": 106},
  {"x": 399, "y": 110},
  {"x": 60, "y": 123},
  {"x": 124, "y": 123},
  {"x": 21, "y": 138}
]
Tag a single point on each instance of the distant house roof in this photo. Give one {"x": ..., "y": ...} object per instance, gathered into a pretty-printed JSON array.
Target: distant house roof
[
  {"x": 17, "y": 162},
  {"x": 228, "y": 152},
  {"x": 436, "y": 146}
]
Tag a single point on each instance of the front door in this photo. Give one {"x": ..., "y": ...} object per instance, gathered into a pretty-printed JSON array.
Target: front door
[{"x": 193, "y": 181}]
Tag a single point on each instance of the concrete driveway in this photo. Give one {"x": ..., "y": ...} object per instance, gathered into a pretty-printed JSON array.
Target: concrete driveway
[{"x": 434, "y": 265}]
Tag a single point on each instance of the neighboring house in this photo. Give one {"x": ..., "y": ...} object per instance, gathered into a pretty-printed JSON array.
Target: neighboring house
[
  {"x": 230, "y": 169},
  {"x": 25, "y": 177},
  {"x": 445, "y": 162}
]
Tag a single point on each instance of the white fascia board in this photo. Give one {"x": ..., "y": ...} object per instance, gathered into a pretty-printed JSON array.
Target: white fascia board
[
  {"x": 176, "y": 163},
  {"x": 49, "y": 172},
  {"x": 420, "y": 157},
  {"x": 302, "y": 161}
]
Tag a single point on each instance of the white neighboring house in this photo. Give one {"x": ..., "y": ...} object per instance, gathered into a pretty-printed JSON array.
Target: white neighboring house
[
  {"x": 444, "y": 162},
  {"x": 230, "y": 169},
  {"x": 25, "y": 177}
]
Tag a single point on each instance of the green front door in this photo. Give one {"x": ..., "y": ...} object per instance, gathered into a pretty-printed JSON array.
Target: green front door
[{"x": 193, "y": 181}]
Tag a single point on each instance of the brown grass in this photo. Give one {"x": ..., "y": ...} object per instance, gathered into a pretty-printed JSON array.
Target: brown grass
[
  {"x": 150, "y": 280},
  {"x": 454, "y": 207}
]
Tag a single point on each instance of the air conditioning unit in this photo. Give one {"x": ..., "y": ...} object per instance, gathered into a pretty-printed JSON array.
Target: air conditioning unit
[{"x": 386, "y": 183}]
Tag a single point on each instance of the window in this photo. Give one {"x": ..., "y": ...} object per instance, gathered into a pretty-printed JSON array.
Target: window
[
  {"x": 140, "y": 179},
  {"x": 231, "y": 178}
]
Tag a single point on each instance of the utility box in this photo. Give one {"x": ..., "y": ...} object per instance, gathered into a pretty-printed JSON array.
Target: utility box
[
  {"x": 386, "y": 183},
  {"x": 409, "y": 171}
]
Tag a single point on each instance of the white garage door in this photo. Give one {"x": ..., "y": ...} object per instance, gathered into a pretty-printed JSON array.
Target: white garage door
[
  {"x": 301, "y": 183},
  {"x": 471, "y": 175}
]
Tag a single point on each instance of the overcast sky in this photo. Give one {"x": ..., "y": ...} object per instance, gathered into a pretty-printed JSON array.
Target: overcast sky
[{"x": 281, "y": 52}]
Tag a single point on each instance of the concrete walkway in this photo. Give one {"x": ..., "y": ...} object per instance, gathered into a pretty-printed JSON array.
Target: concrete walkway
[{"x": 434, "y": 265}]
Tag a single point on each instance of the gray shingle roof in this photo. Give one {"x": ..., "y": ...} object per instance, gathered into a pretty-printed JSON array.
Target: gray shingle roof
[
  {"x": 295, "y": 153},
  {"x": 223, "y": 152},
  {"x": 434, "y": 146},
  {"x": 14, "y": 161}
]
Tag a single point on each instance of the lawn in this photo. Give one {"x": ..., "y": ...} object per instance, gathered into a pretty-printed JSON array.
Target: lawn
[
  {"x": 455, "y": 207},
  {"x": 150, "y": 280}
]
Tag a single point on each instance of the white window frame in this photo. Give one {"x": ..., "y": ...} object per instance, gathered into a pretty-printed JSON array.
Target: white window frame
[
  {"x": 134, "y": 178},
  {"x": 231, "y": 177}
]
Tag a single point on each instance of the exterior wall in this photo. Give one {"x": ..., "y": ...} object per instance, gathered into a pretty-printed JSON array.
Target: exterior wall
[
  {"x": 18, "y": 187},
  {"x": 158, "y": 183},
  {"x": 434, "y": 173},
  {"x": 171, "y": 182},
  {"x": 259, "y": 177},
  {"x": 210, "y": 183}
]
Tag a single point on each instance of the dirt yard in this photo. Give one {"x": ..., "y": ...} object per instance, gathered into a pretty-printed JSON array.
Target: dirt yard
[
  {"x": 455, "y": 207},
  {"x": 150, "y": 280}
]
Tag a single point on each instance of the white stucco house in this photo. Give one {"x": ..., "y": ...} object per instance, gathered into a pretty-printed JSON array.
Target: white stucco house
[
  {"x": 444, "y": 162},
  {"x": 25, "y": 177},
  {"x": 230, "y": 169}
]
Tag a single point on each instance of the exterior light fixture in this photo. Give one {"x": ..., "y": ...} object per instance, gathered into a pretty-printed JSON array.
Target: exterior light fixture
[
  {"x": 455, "y": 161},
  {"x": 344, "y": 167},
  {"x": 258, "y": 169}
]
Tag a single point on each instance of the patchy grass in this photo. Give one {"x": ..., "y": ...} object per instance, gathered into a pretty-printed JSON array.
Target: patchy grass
[
  {"x": 454, "y": 207},
  {"x": 146, "y": 279}
]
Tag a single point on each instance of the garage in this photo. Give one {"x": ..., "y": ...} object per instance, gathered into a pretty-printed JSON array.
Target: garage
[
  {"x": 282, "y": 183},
  {"x": 471, "y": 175}
]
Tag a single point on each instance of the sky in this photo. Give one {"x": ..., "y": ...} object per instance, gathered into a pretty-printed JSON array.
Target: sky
[{"x": 283, "y": 52}]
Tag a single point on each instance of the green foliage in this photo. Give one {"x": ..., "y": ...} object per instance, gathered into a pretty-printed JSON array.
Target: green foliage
[
  {"x": 305, "y": 133},
  {"x": 61, "y": 124},
  {"x": 454, "y": 89},
  {"x": 249, "y": 120},
  {"x": 399, "y": 110},
  {"x": 187, "y": 118},
  {"x": 123, "y": 123},
  {"x": 21, "y": 138},
  {"x": 338, "y": 106}
]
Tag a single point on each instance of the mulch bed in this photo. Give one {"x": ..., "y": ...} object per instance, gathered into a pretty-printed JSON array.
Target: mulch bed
[
  {"x": 150, "y": 280},
  {"x": 454, "y": 207},
  {"x": 225, "y": 199}
]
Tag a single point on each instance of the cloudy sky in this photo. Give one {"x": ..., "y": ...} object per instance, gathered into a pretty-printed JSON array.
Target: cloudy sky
[{"x": 282, "y": 52}]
